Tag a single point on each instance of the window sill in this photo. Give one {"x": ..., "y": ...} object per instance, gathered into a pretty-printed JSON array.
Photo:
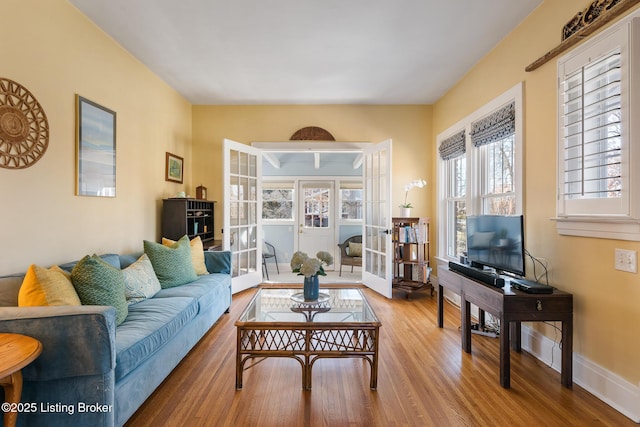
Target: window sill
[{"x": 600, "y": 228}]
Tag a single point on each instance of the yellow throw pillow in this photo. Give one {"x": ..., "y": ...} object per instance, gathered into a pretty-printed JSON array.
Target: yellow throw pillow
[
  {"x": 197, "y": 254},
  {"x": 355, "y": 249},
  {"x": 42, "y": 287}
]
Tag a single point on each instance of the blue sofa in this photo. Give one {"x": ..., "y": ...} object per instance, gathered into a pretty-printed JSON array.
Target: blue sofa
[{"x": 92, "y": 373}]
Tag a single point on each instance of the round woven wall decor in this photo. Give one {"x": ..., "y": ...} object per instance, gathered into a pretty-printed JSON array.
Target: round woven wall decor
[
  {"x": 312, "y": 133},
  {"x": 24, "y": 130}
]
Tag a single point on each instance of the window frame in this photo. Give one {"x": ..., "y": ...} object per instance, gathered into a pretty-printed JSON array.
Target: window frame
[
  {"x": 282, "y": 185},
  {"x": 616, "y": 218},
  {"x": 475, "y": 170},
  {"x": 346, "y": 184}
]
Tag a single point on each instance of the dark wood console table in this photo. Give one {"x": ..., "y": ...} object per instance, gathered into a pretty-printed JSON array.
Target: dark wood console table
[{"x": 512, "y": 307}]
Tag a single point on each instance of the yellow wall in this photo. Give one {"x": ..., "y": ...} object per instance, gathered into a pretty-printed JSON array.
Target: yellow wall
[
  {"x": 409, "y": 126},
  {"x": 54, "y": 51},
  {"x": 606, "y": 301}
]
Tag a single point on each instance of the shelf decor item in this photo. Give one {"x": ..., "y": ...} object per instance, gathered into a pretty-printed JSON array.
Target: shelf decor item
[
  {"x": 201, "y": 192},
  {"x": 24, "y": 129},
  {"x": 95, "y": 149},
  {"x": 311, "y": 268},
  {"x": 174, "y": 166},
  {"x": 406, "y": 206}
]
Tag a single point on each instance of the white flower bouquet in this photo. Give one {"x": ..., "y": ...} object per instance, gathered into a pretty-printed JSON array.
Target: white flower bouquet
[{"x": 302, "y": 264}]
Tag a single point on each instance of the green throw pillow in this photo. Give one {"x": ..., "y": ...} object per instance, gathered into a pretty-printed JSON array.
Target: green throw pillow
[
  {"x": 172, "y": 264},
  {"x": 99, "y": 283}
]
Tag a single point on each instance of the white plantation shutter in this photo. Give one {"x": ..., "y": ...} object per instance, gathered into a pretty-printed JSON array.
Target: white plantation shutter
[
  {"x": 595, "y": 98},
  {"x": 598, "y": 134},
  {"x": 591, "y": 129}
]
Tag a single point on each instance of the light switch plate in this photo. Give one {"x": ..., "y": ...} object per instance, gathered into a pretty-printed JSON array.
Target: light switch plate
[{"x": 626, "y": 260}]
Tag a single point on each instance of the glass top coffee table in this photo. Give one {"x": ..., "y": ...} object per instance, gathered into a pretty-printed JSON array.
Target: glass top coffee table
[{"x": 278, "y": 323}]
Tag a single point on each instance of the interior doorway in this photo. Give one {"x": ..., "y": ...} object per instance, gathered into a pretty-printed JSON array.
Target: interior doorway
[{"x": 368, "y": 164}]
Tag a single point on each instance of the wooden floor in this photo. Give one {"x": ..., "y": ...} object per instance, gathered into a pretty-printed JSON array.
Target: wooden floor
[{"x": 424, "y": 379}]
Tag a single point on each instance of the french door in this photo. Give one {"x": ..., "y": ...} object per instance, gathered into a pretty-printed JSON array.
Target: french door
[
  {"x": 243, "y": 215},
  {"x": 377, "y": 272},
  {"x": 242, "y": 233}
]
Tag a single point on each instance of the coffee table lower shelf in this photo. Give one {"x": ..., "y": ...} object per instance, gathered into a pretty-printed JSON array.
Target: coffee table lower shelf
[{"x": 307, "y": 345}]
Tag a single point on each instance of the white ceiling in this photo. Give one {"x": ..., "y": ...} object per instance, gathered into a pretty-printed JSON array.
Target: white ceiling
[{"x": 308, "y": 51}]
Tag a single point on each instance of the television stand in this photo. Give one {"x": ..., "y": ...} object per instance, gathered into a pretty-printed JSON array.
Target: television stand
[{"x": 512, "y": 307}]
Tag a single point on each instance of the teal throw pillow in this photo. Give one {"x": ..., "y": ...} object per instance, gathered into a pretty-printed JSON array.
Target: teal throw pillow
[
  {"x": 172, "y": 264},
  {"x": 140, "y": 280},
  {"x": 99, "y": 283}
]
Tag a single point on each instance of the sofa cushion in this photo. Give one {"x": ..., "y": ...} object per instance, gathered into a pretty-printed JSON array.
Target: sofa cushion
[
  {"x": 207, "y": 289},
  {"x": 9, "y": 288},
  {"x": 150, "y": 324},
  {"x": 197, "y": 253},
  {"x": 99, "y": 283},
  {"x": 140, "y": 280},
  {"x": 45, "y": 287},
  {"x": 172, "y": 264}
]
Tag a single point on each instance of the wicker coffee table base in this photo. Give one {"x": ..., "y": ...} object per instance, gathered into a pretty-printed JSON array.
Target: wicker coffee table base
[{"x": 307, "y": 344}]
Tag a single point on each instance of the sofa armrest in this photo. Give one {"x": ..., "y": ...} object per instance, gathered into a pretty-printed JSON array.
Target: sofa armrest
[
  {"x": 76, "y": 340},
  {"x": 218, "y": 261}
]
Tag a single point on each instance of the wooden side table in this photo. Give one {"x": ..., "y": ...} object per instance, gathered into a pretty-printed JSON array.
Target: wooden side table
[{"x": 16, "y": 352}]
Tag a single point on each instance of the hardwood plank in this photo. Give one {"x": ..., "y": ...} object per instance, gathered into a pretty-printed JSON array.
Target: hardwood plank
[{"x": 424, "y": 379}]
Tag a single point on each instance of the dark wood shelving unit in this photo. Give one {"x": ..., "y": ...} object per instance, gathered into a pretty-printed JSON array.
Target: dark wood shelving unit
[
  {"x": 411, "y": 271},
  {"x": 193, "y": 217}
]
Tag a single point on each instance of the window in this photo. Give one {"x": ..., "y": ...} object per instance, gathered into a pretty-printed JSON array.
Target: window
[
  {"x": 480, "y": 168},
  {"x": 350, "y": 200},
  {"x": 277, "y": 200},
  {"x": 494, "y": 140},
  {"x": 452, "y": 152},
  {"x": 597, "y": 93}
]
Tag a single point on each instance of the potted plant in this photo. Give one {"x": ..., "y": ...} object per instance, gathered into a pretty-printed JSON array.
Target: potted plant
[{"x": 405, "y": 208}]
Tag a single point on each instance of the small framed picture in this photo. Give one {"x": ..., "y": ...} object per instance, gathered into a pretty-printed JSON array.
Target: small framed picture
[{"x": 174, "y": 168}]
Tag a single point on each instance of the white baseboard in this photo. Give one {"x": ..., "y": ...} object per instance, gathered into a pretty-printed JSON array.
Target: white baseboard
[{"x": 607, "y": 386}]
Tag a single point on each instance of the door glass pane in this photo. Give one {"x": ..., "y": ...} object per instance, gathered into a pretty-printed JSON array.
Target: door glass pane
[
  {"x": 243, "y": 213},
  {"x": 234, "y": 188},
  {"x": 234, "y": 214},
  {"x": 316, "y": 207},
  {"x": 244, "y": 164},
  {"x": 233, "y": 162},
  {"x": 242, "y": 238},
  {"x": 252, "y": 237},
  {"x": 253, "y": 170},
  {"x": 253, "y": 186},
  {"x": 252, "y": 266}
]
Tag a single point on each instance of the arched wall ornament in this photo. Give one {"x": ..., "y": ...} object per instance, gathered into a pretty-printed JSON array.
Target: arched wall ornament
[
  {"x": 312, "y": 133},
  {"x": 24, "y": 129}
]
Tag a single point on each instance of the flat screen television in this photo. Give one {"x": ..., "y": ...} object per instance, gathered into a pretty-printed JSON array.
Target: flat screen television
[{"x": 496, "y": 241}]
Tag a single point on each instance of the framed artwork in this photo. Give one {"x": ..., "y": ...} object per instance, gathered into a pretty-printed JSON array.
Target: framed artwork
[
  {"x": 174, "y": 167},
  {"x": 95, "y": 149}
]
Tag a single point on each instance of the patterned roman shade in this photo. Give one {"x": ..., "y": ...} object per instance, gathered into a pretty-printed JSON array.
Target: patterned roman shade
[
  {"x": 453, "y": 146},
  {"x": 494, "y": 127}
]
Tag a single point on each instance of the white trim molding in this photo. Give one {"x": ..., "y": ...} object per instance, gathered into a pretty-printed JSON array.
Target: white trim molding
[{"x": 607, "y": 386}]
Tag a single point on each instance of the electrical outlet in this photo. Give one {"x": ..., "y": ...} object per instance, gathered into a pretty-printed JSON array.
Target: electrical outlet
[{"x": 626, "y": 260}]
